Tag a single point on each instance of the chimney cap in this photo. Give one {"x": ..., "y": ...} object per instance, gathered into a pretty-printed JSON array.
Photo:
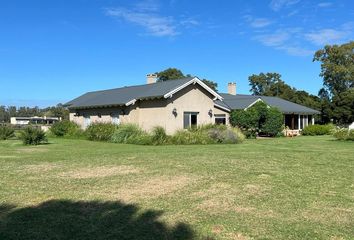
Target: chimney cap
[{"x": 151, "y": 75}]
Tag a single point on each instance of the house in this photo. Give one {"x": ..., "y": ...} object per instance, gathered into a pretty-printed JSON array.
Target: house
[
  {"x": 174, "y": 105},
  {"x": 33, "y": 120}
]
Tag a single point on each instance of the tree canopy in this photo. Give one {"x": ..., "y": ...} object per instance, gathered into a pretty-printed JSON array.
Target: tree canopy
[
  {"x": 337, "y": 67},
  {"x": 271, "y": 84},
  {"x": 174, "y": 73}
]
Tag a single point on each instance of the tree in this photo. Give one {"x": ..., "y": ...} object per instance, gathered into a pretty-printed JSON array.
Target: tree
[
  {"x": 258, "y": 119},
  {"x": 337, "y": 67},
  {"x": 264, "y": 84},
  {"x": 343, "y": 110},
  {"x": 211, "y": 84},
  {"x": 271, "y": 84},
  {"x": 174, "y": 73},
  {"x": 170, "y": 74}
]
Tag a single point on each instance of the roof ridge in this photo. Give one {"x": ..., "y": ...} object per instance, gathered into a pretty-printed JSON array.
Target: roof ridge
[{"x": 140, "y": 85}]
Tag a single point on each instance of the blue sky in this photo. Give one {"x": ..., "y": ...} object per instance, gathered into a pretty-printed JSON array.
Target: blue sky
[{"x": 53, "y": 51}]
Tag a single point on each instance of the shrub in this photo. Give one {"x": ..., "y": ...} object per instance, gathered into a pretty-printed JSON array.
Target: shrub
[
  {"x": 273, "y": 123},
  {"x": 65, "y": 128},
  {"x": 32, "y": 136},
  {"x": 6, "y": 132},
  {"x": 126, "y": 133},
  {"x": 344, "y": 134},
  {"x": 100, "y": 131},
  {"x": 158, "y": 135},
  {"x": 351, "y": 135},
  {"x": 226, "y": 135},
  {"x": 258, "y": 119},
  {"x": 316, "y": 129},
  {"x": 186, "y": 137}
]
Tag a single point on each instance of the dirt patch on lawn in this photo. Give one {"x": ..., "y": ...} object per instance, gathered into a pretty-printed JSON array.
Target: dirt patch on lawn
[
  {"x": 38, "y": 168},
  {"x": 327, "y": 214},
  {"x": 36, "y": 149},
  {"x": 152, "y": 188},
  {"x": 99, "y": 172},
  {"x": 236, "y": 236}
]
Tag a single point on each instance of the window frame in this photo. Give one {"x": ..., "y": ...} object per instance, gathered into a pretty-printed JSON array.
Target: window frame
[{"x": 190, "y": 119}]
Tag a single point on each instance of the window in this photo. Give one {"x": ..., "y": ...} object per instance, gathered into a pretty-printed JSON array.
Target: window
[
  {"x": 220, "y": 119},
  {"x": 190, "y": 119},
  {"x": 87, "y": 120},
  {"x": 115, "y": 118}
]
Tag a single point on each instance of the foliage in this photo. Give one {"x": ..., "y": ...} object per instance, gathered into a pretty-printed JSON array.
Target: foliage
[
  {"x": 174, "y": 73},
  {"x": 158, "y": 135},
  {"x": 127, "y": 133},
  {"x": 65, "y": 128},
  {"x": 344, "y": 134},
  {"x": 337, "y": 67},
  {"x": 32, "y": 136},
  {"x": 170, "y": 74},
  {"x": 271, "y": 84},
  {"x": 258, "y": 119},
  {"x": 12, "y": 111},
  {"x": 227, "y": 135},
  {"x": 208, "y": 134},
  {"x": 186, "y": 137},
  {"x": 273, "y": 124},
  {"x": 316, "y": 129},
  {"x": 343, "y": 107},
  {"x": 6, "y": 132},
  {"x": 100, "y": 131}
]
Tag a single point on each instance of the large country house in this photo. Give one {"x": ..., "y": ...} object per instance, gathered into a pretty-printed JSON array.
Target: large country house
[{"x": 175, "y": 104}]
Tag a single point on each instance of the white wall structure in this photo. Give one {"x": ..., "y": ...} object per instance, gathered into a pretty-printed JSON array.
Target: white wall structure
[{"x": 351, "y": 126}]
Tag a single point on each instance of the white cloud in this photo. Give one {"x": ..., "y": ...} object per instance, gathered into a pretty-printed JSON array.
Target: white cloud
[
  {"x": 331, "y": 36},
  {"x": 155, "y": 24},
  {"x": 260, "y": 22},
  {"x": 273, "y": 39},
  {"x": 257, "y": 22},
  {"x": 276, "y": 5},
  {"x": 283, "y": 39},
  {"x": 324, "y": 4}
]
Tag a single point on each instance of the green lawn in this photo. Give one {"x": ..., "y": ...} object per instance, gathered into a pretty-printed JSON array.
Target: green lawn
[{"x": 285, "y": 188}]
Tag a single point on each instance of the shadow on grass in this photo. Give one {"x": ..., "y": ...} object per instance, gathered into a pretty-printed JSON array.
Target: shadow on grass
[{"x": 63, "y": 219}]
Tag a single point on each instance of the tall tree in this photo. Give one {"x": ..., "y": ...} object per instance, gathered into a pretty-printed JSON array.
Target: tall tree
[
  {"x": 174, "y": 73},
  {"x": 337, "y": 67},
  {"x": 271, "y": 84},
  {"x": 170, "y": 74}
]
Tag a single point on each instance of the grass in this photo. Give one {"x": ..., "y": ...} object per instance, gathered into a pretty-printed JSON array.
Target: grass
[{"x": 284, "y": 188}]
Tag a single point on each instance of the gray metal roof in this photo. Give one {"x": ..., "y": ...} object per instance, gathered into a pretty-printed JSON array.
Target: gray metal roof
[
  {"x": 120, "y": 96},
  {"x": 241, "y": 101}
]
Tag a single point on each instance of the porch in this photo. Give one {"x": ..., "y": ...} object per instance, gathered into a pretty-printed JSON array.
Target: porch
[{"x": 296, "y": 122}]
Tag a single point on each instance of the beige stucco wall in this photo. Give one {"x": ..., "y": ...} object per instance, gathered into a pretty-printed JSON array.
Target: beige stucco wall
[{"x": 150, "y": 113}]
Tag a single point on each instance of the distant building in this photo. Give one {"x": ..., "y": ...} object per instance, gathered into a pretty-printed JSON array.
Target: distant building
[{"x": 34, "y": 120}]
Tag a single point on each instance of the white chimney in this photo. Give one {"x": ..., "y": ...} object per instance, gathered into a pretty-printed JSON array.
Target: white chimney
[
  {"x": 151, "y": 78},
  {"x": 231, "y": 88}
]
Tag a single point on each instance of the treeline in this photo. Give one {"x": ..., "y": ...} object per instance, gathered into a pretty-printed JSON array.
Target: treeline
[{"x": 12, "y": 111}]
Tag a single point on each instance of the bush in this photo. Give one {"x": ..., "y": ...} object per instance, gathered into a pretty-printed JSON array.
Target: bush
[
  {"x": 186, "y": 137},
  {"x": 344, "y": 134},
  {"x": 258, "y": 119},
  {"x": 226, "y": 135},
  {"x": 316, "y": 129},
  {"x": 158, "y": 135},
  {"x": 6, "y": 132},
  {"x": 273, "y": 123},
  {"x": 127, "y": 133},
  {"x": 65, "y": 128},
  {"x": 208, "y": 134},
  {"x": 100, "y": 131},
  {"x": 32, "y": 136}
]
